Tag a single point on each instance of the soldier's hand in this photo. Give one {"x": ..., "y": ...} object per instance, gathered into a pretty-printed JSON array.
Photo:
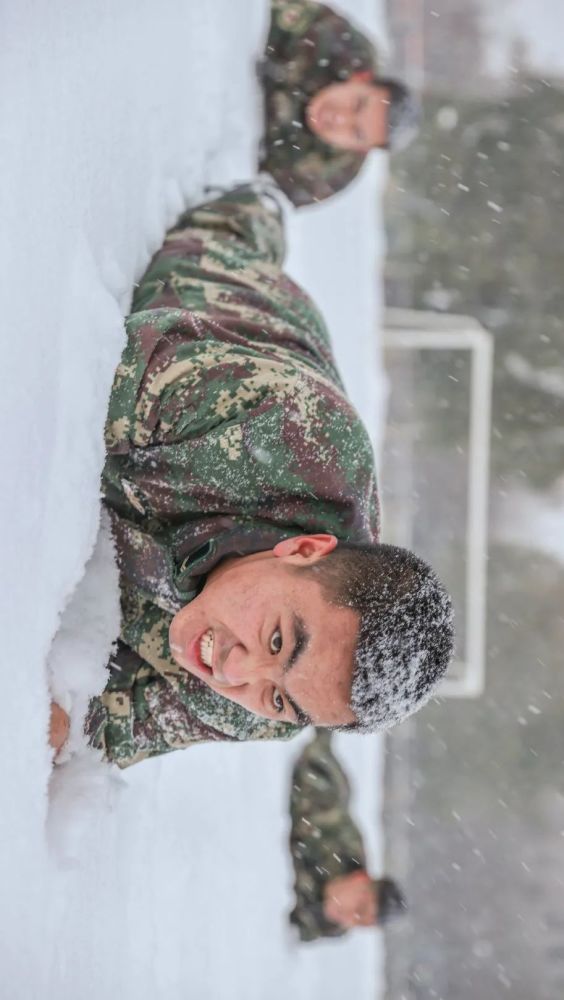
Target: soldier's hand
[
  {"x": 59, "y": 726},
  {"x": 350, "y": 900}
]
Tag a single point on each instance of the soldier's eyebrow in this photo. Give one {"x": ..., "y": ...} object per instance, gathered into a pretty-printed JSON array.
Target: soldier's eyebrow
[
  {"x": 301, "y": 641},
  {"x": 302, "y": 718}
]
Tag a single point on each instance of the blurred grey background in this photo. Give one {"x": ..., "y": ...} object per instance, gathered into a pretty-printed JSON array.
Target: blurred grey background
[{"x": 475, "y": 220}]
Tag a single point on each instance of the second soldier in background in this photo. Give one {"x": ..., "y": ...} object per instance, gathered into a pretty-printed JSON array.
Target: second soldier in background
[
  {"x": 334, "y": 891},
  {"x": 326, "y": 106}
]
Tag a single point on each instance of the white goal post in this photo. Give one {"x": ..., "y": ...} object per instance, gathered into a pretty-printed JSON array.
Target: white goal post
[{"x": 407, "y": 329}]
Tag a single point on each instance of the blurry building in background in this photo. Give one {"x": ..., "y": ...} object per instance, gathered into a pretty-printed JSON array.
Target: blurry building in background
[
  {"x": 475, "y": 789},
  {"x": 439, "y": 44}
]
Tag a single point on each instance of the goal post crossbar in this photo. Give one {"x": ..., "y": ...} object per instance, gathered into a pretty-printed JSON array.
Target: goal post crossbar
[{"x": 409, "y": 329}]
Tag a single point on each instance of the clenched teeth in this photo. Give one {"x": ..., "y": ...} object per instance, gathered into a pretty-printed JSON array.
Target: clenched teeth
[{"x": 206, "y": 648}]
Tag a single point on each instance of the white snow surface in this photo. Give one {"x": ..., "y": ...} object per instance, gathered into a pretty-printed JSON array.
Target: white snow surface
[{"x": 171, "y": 880}]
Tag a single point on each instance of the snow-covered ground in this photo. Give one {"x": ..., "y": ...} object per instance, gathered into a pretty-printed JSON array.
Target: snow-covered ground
[{"x": 173, "y": 880}]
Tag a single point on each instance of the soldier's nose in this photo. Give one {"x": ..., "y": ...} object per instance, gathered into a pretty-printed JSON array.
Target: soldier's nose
[
  {"x": 236, "y": 669},
  {"x": 242, "y": 666}
]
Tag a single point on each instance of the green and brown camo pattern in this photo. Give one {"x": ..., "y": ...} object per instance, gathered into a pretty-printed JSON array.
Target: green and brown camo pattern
[
  {"x": 228, "y": 429},
  {"x": 324, "y": 841},
  {"x": 309, "y": 46}
]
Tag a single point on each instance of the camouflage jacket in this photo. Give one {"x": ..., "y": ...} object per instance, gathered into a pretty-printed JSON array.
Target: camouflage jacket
[
  {"x": 228, "y": 430},
  {"x": 324, "y": 840},
  {"x": 309, "y": 46}
]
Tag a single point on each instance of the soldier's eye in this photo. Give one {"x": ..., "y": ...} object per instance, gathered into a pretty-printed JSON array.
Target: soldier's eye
[
  {"x": 277, "y": 701},
  {"x": 276, "y": 641}
]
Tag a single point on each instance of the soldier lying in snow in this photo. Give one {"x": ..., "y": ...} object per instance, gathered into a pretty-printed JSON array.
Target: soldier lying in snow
[
  {"x": 334, "y": 891},
  {"x": 241, "y": 487},
  {"x": 325, "y": 105}
]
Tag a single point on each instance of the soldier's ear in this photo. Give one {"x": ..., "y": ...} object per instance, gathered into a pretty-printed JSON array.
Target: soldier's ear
[{"x": 305, "y": 548}]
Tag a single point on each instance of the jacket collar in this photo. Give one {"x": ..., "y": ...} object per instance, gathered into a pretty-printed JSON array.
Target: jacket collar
[{"x": 171, "y": 568}]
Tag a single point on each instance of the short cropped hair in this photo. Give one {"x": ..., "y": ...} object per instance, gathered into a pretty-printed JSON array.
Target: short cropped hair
[
  {"x": 404, "y": 114},
  {"x": 406, "y": 632}
]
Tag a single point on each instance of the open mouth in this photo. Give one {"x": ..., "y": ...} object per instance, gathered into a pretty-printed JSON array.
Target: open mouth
[
  {"x": 196, "y": 656},
  {"x": 203, "y": 653},
  {"x": 205, "y": 649}
]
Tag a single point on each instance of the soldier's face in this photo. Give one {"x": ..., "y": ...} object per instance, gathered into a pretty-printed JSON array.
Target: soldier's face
[
  {"x": 263, "y": 635},
  {"x": 352, "y": 115},
  {"x": 350, "y": 900}
]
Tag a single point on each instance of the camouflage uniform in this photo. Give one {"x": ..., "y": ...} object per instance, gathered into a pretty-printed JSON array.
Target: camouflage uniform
[
  {"x": 324, "y": 840},
  {"x": 228, "y": 430},
  {"x": 309, "y": 47}
]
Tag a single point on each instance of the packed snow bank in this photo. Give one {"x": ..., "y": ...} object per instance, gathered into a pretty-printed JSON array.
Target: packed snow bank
[
  {"x": 172, "y": 880},
  {"x": 118, "y": 115}
]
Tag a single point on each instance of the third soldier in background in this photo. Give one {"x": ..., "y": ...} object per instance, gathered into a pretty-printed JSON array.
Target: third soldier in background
[
  {"x": 326, "y": 106},
  {"x": 334, "y": 891}
]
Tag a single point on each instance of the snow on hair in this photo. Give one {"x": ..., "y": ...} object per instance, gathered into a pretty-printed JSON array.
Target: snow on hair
[{"x": 406, "y": 631}]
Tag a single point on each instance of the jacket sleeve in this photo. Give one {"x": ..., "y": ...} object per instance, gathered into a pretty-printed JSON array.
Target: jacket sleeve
[{"x": 135, "y": 717}]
